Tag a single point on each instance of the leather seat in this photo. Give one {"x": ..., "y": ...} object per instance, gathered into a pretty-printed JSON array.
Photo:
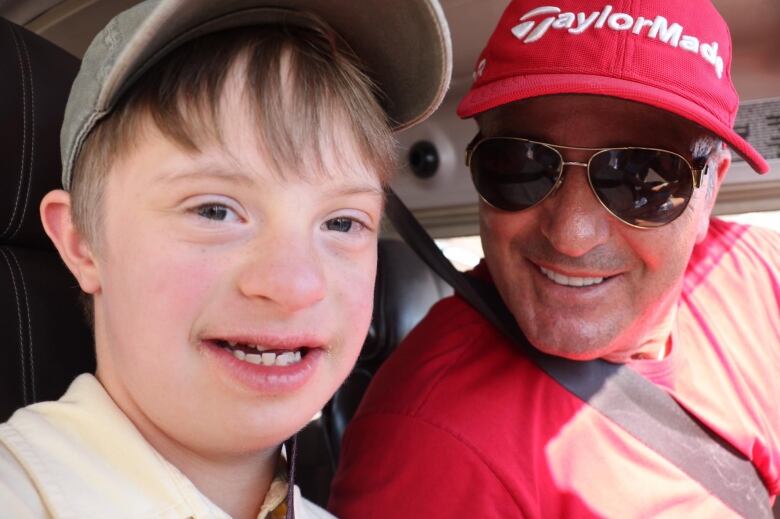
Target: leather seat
[
  {"x": 44, "y": 339},
  {"x": 405, "y": 290}
]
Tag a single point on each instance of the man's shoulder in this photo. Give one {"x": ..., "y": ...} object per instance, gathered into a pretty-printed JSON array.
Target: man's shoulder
[
  {"x": 762, "y": 242},
  {"x": 422, "y": 360},
  {"x": 729, "y": 238},
  {"x": 741, "y": 253},
  {"x": 453, "y": 351},
  {"x": 450, "y": 327}
]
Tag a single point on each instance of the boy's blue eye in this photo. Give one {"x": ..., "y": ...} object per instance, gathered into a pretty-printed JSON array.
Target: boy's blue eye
[
  {"x": 213, "y": 212},
  {"x": 339, "y": 224}
]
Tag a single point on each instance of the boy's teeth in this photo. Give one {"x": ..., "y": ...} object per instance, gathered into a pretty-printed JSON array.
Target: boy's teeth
[
  {"x": 570, "y": 281},
  {"x": 267, "y": 358},
  {"x": 285, "y": 358},
  {"x": 253, "y": 358}
]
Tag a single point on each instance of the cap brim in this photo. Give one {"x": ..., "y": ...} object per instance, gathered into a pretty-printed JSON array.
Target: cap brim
[
  {"x": 404, "y": 44},
  {"x": 512, "y": 89}
]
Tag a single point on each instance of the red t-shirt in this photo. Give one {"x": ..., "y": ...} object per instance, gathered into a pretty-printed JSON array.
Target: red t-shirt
[{"x": 458, "y": 423}]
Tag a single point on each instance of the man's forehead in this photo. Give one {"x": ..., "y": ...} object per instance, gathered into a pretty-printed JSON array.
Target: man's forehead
[{"x": 595, "y": 120}]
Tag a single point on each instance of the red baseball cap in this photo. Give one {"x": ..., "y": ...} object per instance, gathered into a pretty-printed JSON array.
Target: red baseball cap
[{"x": 671, "y": 54}]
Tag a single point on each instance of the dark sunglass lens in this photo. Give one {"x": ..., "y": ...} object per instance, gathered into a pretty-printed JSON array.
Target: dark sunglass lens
[
  {"x": 647, "y": 188},
  {"x": 513, "y": 175}
]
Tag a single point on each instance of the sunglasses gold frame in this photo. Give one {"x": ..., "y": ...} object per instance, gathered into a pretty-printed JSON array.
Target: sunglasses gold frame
[{"x": 697, "y": 173}]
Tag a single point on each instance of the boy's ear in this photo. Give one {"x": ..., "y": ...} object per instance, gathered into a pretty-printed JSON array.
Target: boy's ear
[{"x": 72, "y": 246}]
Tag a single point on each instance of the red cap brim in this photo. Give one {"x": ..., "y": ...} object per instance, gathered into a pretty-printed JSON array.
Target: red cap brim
[{"x": 508, "y": 90}]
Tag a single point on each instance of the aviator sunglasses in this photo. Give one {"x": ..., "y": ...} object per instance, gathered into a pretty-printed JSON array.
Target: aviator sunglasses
[{"x": 642, "y": 187}]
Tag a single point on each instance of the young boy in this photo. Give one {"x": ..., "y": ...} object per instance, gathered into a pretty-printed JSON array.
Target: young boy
[{"x": 224, "y": 165}]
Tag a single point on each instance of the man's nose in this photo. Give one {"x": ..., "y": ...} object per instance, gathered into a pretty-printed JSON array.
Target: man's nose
[
  {"x": 286, "y": 272},
  {"x": 573, "y": 219}
]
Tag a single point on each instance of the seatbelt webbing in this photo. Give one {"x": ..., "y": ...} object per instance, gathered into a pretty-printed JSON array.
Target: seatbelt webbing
[{"x": 629, "y": 400}]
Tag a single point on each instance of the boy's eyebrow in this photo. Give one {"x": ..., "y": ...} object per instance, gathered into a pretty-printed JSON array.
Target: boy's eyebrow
[
  {"x": 207, "y": 171},
  {"x": 354, "y": 189},
  {"x": 200, "y": 171}
]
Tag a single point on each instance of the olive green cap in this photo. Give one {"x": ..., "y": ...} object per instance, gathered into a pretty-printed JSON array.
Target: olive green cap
[{"x": 404, "y": 45}]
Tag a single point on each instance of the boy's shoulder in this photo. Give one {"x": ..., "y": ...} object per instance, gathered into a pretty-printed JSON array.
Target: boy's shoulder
[
  {"x": 17, "y": 493},
  {"x": 56, "y": 454}
]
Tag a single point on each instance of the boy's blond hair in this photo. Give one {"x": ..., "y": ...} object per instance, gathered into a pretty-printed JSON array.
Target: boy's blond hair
[{"x": 299, "y": 78}]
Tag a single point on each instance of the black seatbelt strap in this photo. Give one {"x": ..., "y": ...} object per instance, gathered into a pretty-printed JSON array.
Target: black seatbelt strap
[
  {"x": 632, "y": 402},
  {"x": 291, "y": 447}
]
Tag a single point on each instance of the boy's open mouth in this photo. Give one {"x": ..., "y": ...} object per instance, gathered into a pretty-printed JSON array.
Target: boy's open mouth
[{"x": 260, "y": 355}]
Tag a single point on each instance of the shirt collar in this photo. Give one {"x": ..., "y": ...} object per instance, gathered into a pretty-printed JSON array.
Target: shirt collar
[{"x": 87, "y": 459}]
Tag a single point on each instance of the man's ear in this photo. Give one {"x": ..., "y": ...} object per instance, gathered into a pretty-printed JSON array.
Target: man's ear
[
  {"x": 724, "y": 163},
  {"x": 72, "y": 246},
  {"x": 711, "y": 183}
]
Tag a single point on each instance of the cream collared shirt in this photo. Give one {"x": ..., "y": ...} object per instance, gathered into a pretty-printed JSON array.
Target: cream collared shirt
[{"x": 81, "y": 458}]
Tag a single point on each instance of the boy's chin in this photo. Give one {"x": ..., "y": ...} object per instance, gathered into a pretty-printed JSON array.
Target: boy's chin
[
  {"x": 270, "y": 403},
  {"x": 235, "y": 430}
]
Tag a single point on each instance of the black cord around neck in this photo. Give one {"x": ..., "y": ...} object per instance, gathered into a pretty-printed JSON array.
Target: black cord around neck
[{"x": 291, "y": 446}]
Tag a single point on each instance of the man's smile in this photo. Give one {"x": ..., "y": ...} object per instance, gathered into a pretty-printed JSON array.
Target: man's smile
[{"x": 570, "y": 281}]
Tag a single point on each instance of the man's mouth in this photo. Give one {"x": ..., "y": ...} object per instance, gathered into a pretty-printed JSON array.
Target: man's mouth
[
  {"x": 571, "y": 281},
  {"x": 259, "y": 354}
]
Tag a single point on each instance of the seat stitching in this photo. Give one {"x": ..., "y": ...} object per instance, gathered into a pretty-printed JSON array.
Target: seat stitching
[
  {"x": 32, "y": 140},
  {"x": 29, "y": 325},
  {"x": 19, "y": 316},
  {"x": 24, "y": 133}
]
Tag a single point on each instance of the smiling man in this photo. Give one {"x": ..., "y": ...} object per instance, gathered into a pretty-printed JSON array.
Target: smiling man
[{"x": 604, "y": 136}]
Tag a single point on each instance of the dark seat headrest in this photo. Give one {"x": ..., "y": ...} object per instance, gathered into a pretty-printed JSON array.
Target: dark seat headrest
[
  {"x": 44, "y": 341},
  {"x": 406, "y": 288},
  {"x": 36, "y": 78}
]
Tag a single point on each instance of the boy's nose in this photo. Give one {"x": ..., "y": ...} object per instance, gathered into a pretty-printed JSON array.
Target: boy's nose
[
  {"x": 573, "y": 219},
  {"x": 287, "y": 273}
]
